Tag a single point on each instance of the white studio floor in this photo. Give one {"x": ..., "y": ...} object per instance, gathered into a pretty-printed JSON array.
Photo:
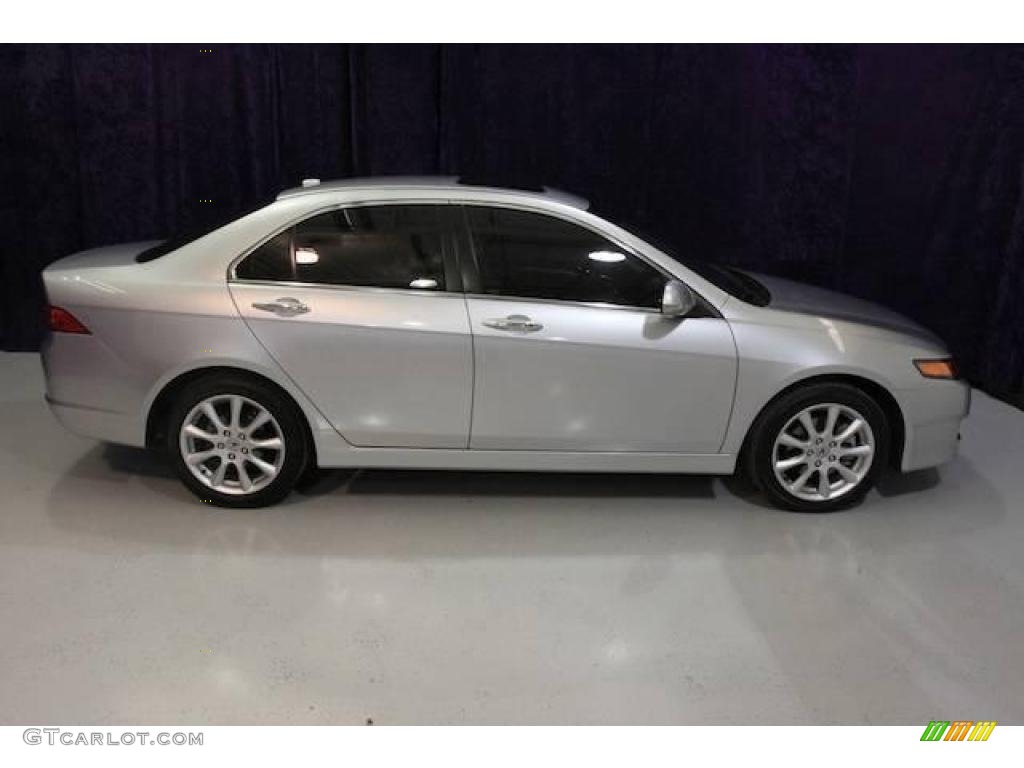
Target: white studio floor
[{"x": 432, "y": 597}]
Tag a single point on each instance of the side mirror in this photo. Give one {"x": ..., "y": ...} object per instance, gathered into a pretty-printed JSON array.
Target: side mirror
[{"x": 677, "y": 300}]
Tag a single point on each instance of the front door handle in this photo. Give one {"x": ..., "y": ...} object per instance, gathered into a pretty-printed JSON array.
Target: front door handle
[
  {"x": 283, "y": 307},
  {"x": 514, "y": 323}
]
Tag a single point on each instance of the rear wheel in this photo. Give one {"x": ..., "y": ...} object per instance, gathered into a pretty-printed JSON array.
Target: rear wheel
[
  {"x": 819, "y": 448},
  {"x": 236, "y": 442}
]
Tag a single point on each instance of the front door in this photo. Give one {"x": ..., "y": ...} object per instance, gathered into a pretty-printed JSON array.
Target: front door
[{"x": 572, "y": 352}]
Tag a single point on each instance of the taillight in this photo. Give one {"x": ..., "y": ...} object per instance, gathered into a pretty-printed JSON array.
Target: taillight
[{"x": 62, "y": 321}]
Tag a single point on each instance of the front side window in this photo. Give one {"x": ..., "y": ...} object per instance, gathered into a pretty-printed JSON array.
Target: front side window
[
  {"x": 532, "y": 255},
  {"x": 385, "y": 246}
]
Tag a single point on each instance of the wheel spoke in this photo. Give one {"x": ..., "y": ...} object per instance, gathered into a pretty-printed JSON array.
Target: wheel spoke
[
  {"x": 795, "y": 461},
  {"x": 847, "y": 474},
  {"x": 236, "y": 412},
  {"x": 850, "y": 430},
  {"x": 792, "y": 441},
  {"x": 808, "y": 422},
  {"x": 800, "y": 482},
  {"x": 243, "y": 477},
  {"x": 857, "y": 450},
  {"x": 824, "y": 488},
  {"x": 830, "y": 420},
  {"x": 193, "y": 431},
  {"x": 265, "y": 467},
  {"x": 273, "y": 443},
  {"x": 212, "y": 415},
  {"x": 258, "y": 421},
  {"x": 200, "y": 457},
  {"x": 218, "y": 476}
]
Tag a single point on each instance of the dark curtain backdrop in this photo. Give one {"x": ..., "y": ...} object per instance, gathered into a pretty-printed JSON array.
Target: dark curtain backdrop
[{"x": 890, "y": 172}]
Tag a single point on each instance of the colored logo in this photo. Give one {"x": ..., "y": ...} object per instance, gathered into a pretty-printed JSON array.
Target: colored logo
[{"x": 958, "y": 730}]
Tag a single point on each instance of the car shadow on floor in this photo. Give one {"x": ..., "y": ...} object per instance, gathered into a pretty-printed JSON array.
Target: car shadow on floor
[
  {"x": 140, "y": 462},
  {"x": 137, "y": 461},
  {"x": 126, "y": 462},
  {"x": 893, "y": 484},
  {"x": 488, "y": 483},
  {"x": 115, "y": 494},
  {"x": 430, "y": 482}
]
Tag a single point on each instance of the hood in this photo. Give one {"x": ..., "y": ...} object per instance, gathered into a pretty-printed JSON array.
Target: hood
[{"x": 791, "y": 296}]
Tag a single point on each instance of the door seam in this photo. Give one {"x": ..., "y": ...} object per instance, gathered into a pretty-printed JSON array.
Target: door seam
[
  {"x": 283, "y": 370},
  {"x": 472, "y": 381}
]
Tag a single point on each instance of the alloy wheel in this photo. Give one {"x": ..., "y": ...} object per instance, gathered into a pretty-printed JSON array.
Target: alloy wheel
[
  {"x": 823, "y": 452},
  {"x": 232, "y": 444}
]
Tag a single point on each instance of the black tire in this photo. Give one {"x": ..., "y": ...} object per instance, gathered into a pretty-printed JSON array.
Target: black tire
[
  {"x": 759, "y": 454},
  {"x": 289, "y": 418}
]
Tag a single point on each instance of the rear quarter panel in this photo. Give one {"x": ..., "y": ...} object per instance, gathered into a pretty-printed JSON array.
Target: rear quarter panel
[{"x": 148, "y": 326}]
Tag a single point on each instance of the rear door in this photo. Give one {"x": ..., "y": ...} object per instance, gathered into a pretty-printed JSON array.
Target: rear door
[{"x": 362, "y": 307}]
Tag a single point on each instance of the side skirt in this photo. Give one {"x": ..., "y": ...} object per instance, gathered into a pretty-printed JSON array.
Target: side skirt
[{"x": 330, "y": 454}]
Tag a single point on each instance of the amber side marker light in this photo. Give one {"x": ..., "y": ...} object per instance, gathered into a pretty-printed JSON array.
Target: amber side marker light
[
  {"x": 937, "y": 369},
  {"x": 62, "y": 321}
]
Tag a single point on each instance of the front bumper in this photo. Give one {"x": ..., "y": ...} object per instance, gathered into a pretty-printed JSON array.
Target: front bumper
[{"x": 932, "y": 416}]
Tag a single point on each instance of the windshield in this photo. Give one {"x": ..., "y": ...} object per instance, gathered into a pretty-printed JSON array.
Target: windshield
[{"x": 731, "y": 280}]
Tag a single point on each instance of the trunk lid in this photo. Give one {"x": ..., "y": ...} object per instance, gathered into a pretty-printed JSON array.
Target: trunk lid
[{"x": 121, "y": 255}]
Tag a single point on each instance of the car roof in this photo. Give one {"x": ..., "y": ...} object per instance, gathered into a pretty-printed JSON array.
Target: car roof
[{"x": 450, "y": 184}]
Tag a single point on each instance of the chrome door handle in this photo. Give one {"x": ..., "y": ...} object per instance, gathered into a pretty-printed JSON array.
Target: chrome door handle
[
  {"x": 284, "y": 307},
  {"x": 520, "y": 323}
]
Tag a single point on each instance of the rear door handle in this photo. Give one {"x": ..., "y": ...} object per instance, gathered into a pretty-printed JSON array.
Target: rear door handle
[
  {"x": 283, "y": 307},
  {"x": 513, "y": 323}
]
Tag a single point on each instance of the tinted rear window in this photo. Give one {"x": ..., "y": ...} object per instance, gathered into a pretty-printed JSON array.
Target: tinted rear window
[
  {"x": 381, "y": 246},
  {"x": 193, "y": 233}
]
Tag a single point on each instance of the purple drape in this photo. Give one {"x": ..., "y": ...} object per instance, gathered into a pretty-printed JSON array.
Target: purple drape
[{"x": 891, "y": 172}]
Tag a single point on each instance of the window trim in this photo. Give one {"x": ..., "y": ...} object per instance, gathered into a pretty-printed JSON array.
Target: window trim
[
  {"x": 460, "y": 250},
  {"x": 563, "y": 302},
  {"x": 473, "y": 278},
  {"x": 449, "y": 252},
  {"x": 351, "y": 288}
]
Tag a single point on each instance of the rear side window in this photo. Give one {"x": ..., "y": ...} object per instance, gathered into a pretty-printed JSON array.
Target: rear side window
[
  {"x": 387, "y": 246},
  {"x": 192, "y": 234},
  {"x": 271, "y": 261},
  {"x": 532, "y": 255}
]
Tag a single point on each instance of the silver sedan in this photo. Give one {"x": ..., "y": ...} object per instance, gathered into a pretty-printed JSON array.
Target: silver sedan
[{"x": 427, "y": 323}]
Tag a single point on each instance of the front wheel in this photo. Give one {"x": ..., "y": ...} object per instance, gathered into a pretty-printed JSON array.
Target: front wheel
[
  {"x": 819, "y": 448},
  {"x": 236, "y": 442}
]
